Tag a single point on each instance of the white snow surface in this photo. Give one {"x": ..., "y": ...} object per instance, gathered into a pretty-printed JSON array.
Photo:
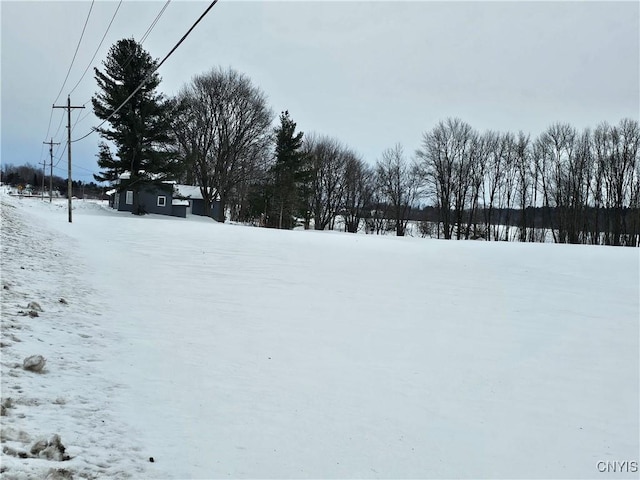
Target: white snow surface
[{"x": 229, "y": 351}]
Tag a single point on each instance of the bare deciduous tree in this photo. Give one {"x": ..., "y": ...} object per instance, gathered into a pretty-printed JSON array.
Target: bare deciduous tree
[
  {"x": 224, "y": 129},
  {"x": 328, "y": 161},
  {"x": 616, "y": 150},
  {"x": 358, "y": 191},
  {"x": 495, "y": 145},
  {"x": 399, "y": 184},
  {"x": 447, "y": 165},
  {"x": 524, "y": 185}
]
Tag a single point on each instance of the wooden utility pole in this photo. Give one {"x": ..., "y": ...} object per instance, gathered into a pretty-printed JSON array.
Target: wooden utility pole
[
  {"x": 51, "y": 144},
  {"x": 69, "y": 184},
  {"x": 44, "y": 164}
]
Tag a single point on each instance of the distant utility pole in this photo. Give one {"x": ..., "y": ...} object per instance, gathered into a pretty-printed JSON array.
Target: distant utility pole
[
  {"x": 69, "y": 184},
  {"x": 51, "y": 144},
  {"x": 44, "y": 164}
]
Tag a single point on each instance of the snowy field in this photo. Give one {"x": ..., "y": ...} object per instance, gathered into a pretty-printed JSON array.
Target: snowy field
[{"x": 225, "y": 351}]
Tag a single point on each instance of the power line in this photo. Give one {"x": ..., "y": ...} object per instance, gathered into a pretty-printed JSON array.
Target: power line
[
  {"x": 146, "y": 34},
  {"x": 78, "y": 120},
  {"x": 48, "y": 129},
  {"x": 97, "y": 49},
  {"x": 144, "y": 37},
  {"x": 211, "y": 5},
  {"x": 82, "y": 168},
  {"x": 74, "y": 166},
  {"x": 59, "y": 124},
  {"x": 65, "y": 79},
  {"x": 185, "y": 35},
  {"x": 64, "y": 149},
  {"x": 76, "y": 52},
  {"x": 89, "y": 112},
  {"x": 153, "y": 24},
  {"x": 54, "y": 135},
  {"x": 142, "y": 40},
  {"x": 49, "y": 126}
]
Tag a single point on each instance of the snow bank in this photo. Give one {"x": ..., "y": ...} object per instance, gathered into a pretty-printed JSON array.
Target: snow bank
[{"x": 69, "y": 402}]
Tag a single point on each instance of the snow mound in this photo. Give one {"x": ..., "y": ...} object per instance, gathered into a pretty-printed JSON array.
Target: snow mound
[{"x": 34, "y": 363}]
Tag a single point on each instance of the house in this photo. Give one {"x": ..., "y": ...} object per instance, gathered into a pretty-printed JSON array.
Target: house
[
  {"x": 167, "y": 198},
  {"x": 157, "y": 199},
  {"x": 193, "y": 194}
]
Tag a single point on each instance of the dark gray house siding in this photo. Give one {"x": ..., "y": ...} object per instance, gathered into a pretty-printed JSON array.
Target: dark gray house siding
[
  {"x": 166, "y": 199},
  {"x": 197, "y": 207},
  {"x": 179, "y": 211},
  {"x": 151, "y": 200}
]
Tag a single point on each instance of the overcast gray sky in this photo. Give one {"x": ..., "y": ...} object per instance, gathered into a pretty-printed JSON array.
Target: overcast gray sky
[{"x": 371, "y": 74}]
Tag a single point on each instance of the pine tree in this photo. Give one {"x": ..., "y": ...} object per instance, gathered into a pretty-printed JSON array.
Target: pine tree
[
  {"x": 110, "y": 166},
  {"x": 288, "y": 175},
  {"x": 140, "y": 130}
]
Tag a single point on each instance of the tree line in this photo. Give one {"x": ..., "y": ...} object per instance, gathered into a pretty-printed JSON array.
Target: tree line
[
  {"x": 23, "y": 176},
  {"x": 217, "y": 132},
  {"x": 586, "y": 183}
]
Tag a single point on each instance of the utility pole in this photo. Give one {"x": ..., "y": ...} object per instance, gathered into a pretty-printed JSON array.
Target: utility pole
[
  {"x": 69, "y": 184},
  {"x": 44, "y": 164},
  {"x": 51, "y": 144}
]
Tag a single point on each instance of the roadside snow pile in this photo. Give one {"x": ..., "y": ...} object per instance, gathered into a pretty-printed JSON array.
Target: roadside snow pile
[{"x": 68, "y": 400}]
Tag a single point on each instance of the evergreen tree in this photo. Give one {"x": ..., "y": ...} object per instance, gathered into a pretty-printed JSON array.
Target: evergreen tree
[
  {"x": 288, "y": 176},
  {"x": 140, "y": 130},
  {"x": 110, "y": 166}
]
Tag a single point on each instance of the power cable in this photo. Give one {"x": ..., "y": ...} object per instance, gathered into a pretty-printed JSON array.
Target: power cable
[
  {"x": 97, "y": 49},
  {"x": 153, "y": 24},
  {"x": 76, "y": 52},
  {"x": 66, "y": 78},
  {"x": 146, "y": 34},
  {"x": 211, "y": 5},
  {"x": 144, "y": 37},
  {"x": 80, "y": 119},
  {"x": 59, "y": 124},
  {"x": 72, "y": 129},
  {"x": 82, "y": 168},
  {"x": 48, "y": 129},
  {"x": 64, "y": 149}
]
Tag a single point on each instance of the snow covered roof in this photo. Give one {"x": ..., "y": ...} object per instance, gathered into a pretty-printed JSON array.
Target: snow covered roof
[
  {"x": 187, "y": 191},
  {"x": 180, "y": 202},
  {"x": 126, "y": 175},
  {"x": 111, "y": 192}
]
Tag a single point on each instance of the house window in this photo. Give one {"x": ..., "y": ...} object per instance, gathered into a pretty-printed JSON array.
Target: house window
[
  {"x": 129, "y": 199},
  {"x": 162, "y": 201}
]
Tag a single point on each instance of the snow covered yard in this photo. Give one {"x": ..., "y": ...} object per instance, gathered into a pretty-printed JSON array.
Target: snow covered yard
[{"x": 230, "y": 351}]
